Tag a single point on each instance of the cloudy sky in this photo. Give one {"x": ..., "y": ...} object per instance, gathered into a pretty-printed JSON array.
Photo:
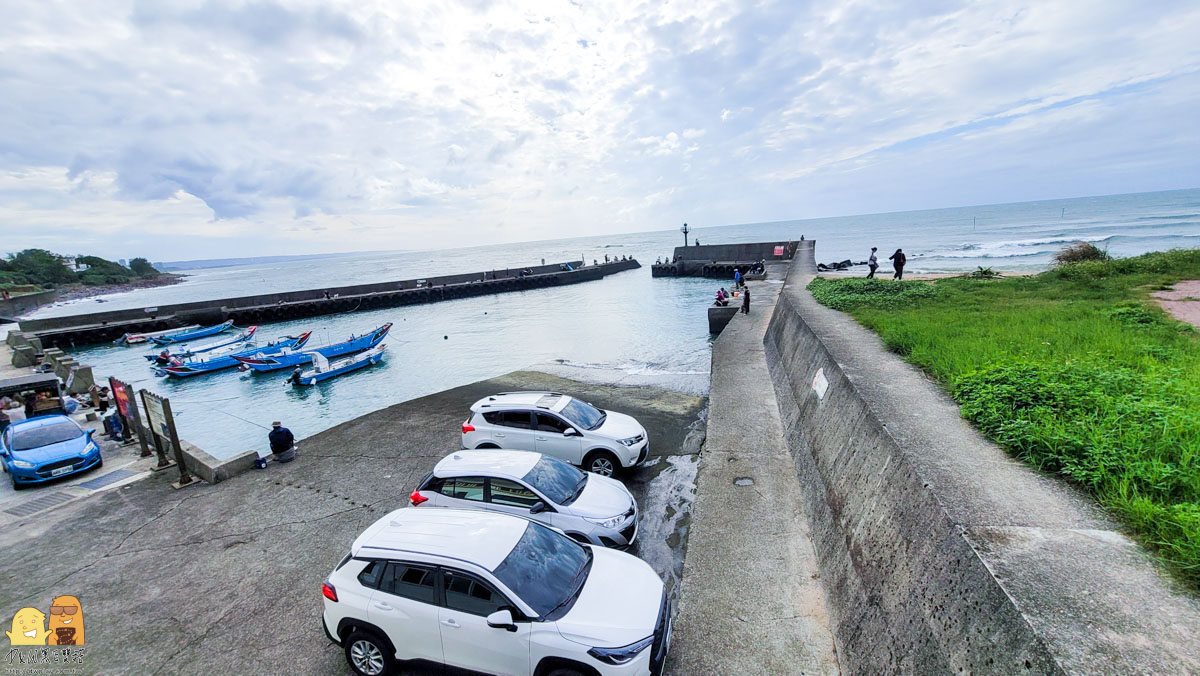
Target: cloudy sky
[{"x": 185, "y": 130}]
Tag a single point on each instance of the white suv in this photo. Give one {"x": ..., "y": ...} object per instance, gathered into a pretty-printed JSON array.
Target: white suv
[
  {"x": 587, "y": 507},
  {"x": 559, "y": 426},
  {"x": 478, "y": 591}
]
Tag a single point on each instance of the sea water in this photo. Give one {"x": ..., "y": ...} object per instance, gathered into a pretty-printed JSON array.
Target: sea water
[{"x": 627, "y": 326}]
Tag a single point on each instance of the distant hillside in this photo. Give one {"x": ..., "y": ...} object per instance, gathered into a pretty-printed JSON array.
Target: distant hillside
[{"x": 230, "y": 262}]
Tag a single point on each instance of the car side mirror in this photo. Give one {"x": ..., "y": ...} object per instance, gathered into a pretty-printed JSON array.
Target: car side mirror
[
  {"x": 537, "y": 507},
  {"x": 89, "y": 433},
  {"x": 570, "y": 432},
  {"x": 502, "y": 619}
]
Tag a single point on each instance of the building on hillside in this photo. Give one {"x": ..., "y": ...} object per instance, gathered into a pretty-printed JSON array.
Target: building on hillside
[{"x": 74, "y": 265}]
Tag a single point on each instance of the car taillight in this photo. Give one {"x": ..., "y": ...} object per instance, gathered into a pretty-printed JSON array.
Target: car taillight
[
  {"x": 467, "y": 426},
  {"x": 328, "y": 591},
  {"x": 416, "y": 498}
]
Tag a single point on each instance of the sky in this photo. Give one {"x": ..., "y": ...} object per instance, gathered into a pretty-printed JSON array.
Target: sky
[{"x": 216, "y": 128}]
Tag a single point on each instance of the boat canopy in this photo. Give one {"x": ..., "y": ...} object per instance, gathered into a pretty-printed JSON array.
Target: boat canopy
[{"x": 320, "y": 363}]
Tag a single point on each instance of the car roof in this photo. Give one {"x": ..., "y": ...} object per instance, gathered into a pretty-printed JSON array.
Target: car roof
[
  {"x": 488, "y": 462},
  {"x": 482, "y": 538},
  {"x": 552, "y": 401},
  {"x": 41, "y": 421}
]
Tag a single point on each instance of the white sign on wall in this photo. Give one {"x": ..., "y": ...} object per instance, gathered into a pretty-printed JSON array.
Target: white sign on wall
[{"x": 820, "y": 383}]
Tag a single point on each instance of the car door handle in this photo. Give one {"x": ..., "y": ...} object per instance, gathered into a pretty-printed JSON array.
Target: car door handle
[
  {"x": 541, "y": 438},
  {"x": 497, "y": 434},
  {"x": 451, "y": 623},
  {"x": 382, "y": 606}
]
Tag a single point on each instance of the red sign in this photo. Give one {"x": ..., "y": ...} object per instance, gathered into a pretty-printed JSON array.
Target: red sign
[
  {"x": 120, "y": 395},
  {"x": 779, "y": 250}
]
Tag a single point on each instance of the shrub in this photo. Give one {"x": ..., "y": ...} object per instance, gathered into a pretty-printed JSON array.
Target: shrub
[
  {"x": 983, "y": 273},
  {"x": 1080, "y": 252},
  {"x": 844, "y": 294}
]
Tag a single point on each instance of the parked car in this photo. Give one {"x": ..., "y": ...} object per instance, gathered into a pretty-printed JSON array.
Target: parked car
[
  {"x": 553, "y": 424},
  {"x": 487, "y": 592},
  {"x": 588, "y": 507},
  {"x": 45, "y": 448}
]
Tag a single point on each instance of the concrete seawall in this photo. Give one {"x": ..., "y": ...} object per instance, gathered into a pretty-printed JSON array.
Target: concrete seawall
[
  {"x": 107, "y": 326},
  {"x": 939, "y": 553}
]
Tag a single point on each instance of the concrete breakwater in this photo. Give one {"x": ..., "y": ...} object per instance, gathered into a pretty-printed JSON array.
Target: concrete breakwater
[
  {"x": 100, "y": 327},
  {"x": 718, "y": 261},
  {"x": 939, "y": 553}
]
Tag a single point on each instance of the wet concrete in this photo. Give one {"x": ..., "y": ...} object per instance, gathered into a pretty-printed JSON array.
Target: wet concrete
[{"x": 226, "y": 578}]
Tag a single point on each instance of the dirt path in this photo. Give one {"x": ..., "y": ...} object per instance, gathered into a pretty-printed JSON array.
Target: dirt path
[{"x": 1182, "y": 301}]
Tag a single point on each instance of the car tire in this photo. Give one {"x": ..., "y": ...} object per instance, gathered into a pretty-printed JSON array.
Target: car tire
[
  {"x": 368, "y": 654},
  {"x": 603, "y": 463},
  {"x": 16, "y": 486},
  {"x": 482, "y": 446},
  {"x": 564, "y": 671}
]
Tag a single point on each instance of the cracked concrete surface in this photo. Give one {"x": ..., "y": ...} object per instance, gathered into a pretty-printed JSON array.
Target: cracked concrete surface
[{"x": 227, "y": 577}]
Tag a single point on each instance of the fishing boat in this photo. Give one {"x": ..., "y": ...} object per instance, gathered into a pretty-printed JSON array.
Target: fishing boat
[
  {"x": 186, "y": 352},
  {"x": 184, "y": 336},
  {"x": 292, "y": 358},
  {"x": 228, "y": 357},
  {"x": 323, "y": 369},
  {"x": 135, "y": 338}
]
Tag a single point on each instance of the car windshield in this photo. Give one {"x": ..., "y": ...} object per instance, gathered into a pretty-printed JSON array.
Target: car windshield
[
  {"x": 546, "y": 569},
  {"x": 585, "y": 415},
  {"x": 46, "y": 435},
  {"x": 556, "y": 480}
]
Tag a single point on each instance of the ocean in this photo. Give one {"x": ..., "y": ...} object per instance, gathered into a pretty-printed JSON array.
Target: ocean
[{"x": 627, "y": 327}]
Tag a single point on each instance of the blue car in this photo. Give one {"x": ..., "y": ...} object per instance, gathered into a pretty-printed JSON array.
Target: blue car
[{"x": 45, "y": 448}]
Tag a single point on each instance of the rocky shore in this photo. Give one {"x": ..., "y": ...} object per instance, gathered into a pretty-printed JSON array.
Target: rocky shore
[{"x": 81, "y": 291}]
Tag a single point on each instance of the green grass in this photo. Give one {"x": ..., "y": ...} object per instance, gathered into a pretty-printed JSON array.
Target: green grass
[{"x": 1076, "y": 371}]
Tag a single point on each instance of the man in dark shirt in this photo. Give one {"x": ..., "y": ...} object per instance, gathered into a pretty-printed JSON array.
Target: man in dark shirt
[{"x": 282, "y": 442}]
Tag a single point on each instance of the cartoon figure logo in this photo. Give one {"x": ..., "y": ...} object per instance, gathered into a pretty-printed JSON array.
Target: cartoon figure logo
[
  {"x": 28, "y": 628},
  {"x": 66, "y": 621}
]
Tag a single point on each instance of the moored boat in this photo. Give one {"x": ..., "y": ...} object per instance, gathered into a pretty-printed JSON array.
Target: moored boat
[
  {"x": 136, "y": 338},
  {"x": 186, "y": 352},
  {"x": 323, "y": 369},
  {"x": 291, "y": 358},
  {"x": 193, "y": 334},
  {"x": 180, "y": 368}
]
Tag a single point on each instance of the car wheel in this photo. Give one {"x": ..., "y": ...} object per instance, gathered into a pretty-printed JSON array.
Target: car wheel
[
  {"x": 368, "y": 655},
  {"x": 16, "y": 486},
  {"x": 602, "y": 463},
  {"x": 486, "y": 446},
  {"x": 579, "y": 538},
  {"x": 564, "y": 671}
]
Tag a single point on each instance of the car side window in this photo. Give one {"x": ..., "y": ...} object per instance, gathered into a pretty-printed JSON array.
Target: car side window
[
  {"x": 517, "y": 419},
  {"x": 410, "y": 581},
  {"x": 513, "y": 494},
  {"x": 469, "y": 594},
  {"x": 369, "y": 577},
  {"x": 550, "y": 423},
  {"x": 464, "y": 488},
  {"x": 492, "y": 417}
]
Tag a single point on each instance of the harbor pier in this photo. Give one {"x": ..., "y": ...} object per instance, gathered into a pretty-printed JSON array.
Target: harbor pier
[{"x": 99, "y": 327}]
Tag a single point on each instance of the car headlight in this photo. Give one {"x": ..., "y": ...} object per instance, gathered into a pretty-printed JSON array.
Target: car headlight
[
  {"x": 610, "y": 522},
  {"x": 23, "y": 464},
  {"x": 623, "y": 654},
  {"x": 89, "y": 448},
  {"x": 631, "y": 440}
]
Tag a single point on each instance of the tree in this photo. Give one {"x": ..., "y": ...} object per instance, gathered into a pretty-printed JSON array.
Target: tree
[
  {"x": 41, "y": 267},
  {"x": 142, "y": 268}
]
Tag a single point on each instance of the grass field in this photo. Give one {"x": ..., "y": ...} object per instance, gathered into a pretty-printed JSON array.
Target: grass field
[{"x": 1075, "y": 370}]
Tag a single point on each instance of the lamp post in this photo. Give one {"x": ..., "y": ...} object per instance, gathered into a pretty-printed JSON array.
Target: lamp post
[{"x": 685, "y": 232}]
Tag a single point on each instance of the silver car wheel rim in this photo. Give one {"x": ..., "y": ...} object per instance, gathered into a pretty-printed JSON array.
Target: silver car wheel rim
[
  {"x": 366, "y": 657},
  {"x": 602, "y": 466}
]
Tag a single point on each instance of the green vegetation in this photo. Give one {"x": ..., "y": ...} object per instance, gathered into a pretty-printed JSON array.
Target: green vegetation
[
  {"x": 1080, "y": 252},
  {"x": 41, "y": 268},
  {"x": 1074, "y": 370}
]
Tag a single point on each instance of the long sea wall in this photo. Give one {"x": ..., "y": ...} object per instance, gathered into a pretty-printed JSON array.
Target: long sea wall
[{"x": 939, "y": 553}]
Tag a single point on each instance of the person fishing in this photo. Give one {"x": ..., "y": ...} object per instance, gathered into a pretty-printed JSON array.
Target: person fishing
[
  {"x": 898, "y": 260},
  {"x": 282, "y": 442}
]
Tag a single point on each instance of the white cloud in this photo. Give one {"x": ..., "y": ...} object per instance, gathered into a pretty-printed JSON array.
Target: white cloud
[{"x": 189, "y": 128}]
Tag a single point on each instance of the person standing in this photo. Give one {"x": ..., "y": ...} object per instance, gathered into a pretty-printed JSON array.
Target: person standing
[
  {"x": 898, "y": 261},
  {"x": 873, "y": 263},
  {"x": 737, "y": 277},
  {"x": 746, "y": 300},
  {"x": 282, "y": 442}
]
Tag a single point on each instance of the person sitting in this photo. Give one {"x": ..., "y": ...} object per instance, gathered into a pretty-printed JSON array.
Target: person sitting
[{"x": 282, "y": 442}]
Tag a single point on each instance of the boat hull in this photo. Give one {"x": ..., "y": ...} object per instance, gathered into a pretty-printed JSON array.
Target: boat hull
[
  {"x": 192, "y": 335},
  {"x": 264, "y": 363},
  {"x": 195, "y": 368},
  {"x": 313, "y": 379}
]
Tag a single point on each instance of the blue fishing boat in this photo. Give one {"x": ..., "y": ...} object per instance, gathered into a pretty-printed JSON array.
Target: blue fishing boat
[
  {"x": 185, "y": 352},
  {"x": 323, "y": 369},
  {"x": 191, "y": 335},
  {"x": 135, "y": 338},
  {"x": 293, "y": 358},
  {"x": 218, "y": 360}
]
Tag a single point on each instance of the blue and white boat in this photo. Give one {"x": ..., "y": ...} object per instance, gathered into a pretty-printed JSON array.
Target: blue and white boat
[
  {"x": 184, "y": 351},
  {"x": 228, "y": 357},
  {"x": 191, "y": 335},
  {"x": 295, "y": 357},
  {"x": 323, "y": 369}
]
